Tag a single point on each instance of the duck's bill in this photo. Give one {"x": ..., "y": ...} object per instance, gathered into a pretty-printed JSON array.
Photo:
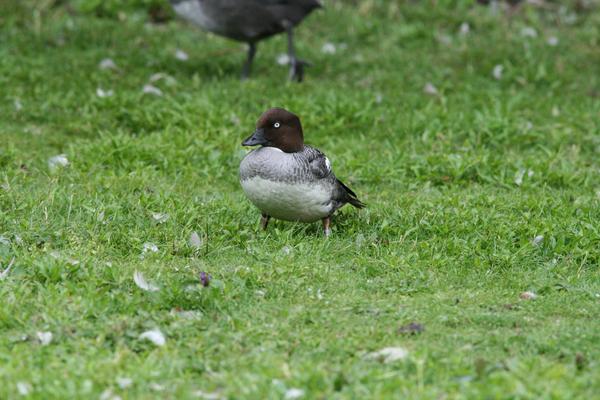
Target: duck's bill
[{"x": 257, "y": 138}]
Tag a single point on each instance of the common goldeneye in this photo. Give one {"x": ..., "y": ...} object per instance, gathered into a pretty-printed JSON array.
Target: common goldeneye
[
  {"x": 287, "y": 179},
  {"x": 250, "y": 21}
]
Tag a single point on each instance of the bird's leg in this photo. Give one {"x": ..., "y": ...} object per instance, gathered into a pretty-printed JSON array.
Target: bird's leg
[
  {"x": 296, "y": 65},
  {"x": 248, "y": 64},
  {"x": 326, "y": 224},
  {"x": 264, "y": 221}
]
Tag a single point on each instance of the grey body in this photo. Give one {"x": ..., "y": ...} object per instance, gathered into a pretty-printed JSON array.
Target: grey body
[
  {"x": 297, "y": 186},
  {"x": 245, "y": 20}
]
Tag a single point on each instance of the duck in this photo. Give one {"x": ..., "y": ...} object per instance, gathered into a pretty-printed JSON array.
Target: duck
[
  {"x": 250, "y": 21},
  {"x": 287, "y": 179}
]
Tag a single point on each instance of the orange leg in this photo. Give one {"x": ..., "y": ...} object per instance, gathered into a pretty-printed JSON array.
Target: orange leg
[{"x": 326, "y": 224}]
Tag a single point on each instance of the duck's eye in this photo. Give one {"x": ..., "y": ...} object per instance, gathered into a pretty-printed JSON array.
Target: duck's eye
[{"x": 276, "y": 124}]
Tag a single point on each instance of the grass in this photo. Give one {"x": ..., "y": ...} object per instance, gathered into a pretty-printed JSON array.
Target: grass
[{"x": 458, "y": 185}]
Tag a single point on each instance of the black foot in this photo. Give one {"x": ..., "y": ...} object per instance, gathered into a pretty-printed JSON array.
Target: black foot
[{"x": 297, "y": 69}]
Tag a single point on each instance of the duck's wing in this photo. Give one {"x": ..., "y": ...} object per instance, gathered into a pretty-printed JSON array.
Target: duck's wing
[{"x": 320, "y": 168}]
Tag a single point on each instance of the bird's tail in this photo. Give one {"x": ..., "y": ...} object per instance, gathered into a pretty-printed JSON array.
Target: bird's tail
[{"x": 351, "y": 196}]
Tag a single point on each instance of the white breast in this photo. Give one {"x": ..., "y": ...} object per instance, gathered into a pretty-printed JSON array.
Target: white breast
[{"x": 287, "y": 201}]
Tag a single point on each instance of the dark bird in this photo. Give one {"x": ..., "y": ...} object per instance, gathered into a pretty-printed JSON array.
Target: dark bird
[
  {"x": 250, "y": 21},
  {"x": 287, "y": 179}
]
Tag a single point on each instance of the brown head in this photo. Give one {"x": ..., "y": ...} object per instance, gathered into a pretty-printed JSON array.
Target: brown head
[{"x": 278, "y": 128}]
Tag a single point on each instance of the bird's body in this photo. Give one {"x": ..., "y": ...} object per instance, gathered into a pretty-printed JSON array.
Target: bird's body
[
  {"x": 248, "y": 21},
  {"x": 288, "y": 180}
]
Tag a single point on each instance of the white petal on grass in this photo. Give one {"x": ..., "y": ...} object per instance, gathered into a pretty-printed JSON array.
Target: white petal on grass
[
  {"x": 104, "y": 93},
  {"x": 430, "y": 89},
  {"x": 552, "y": 41},
  {"x": 156, "y": 387},
  {"x": 195, "y": 241},
  {"x": 4, "y": 241},
  {"x": 519, "y": 177},
  {"x": 530, "y": 173},
  {"x": 465, "y": 28},
  {"x": 181, "y": 55},
  {"x": 497, "y": 71},
  {"x": 107, "y": 63},
  {"x": 555, "y": 111},
  {"x": 207, "y": 395},
  {"x": 537, "y": 240},
  {"x": 58, "y": 161},
  {"x": 529, "y": 32},
  {"x": 169, "y": 80},
  {"x": 388, "y": 354},
  {"x": 124, "y": 383},
  {"x": 18, "y": 105},
  {"x": 151, "y": 89},
  {"x": 45, "y": 338},
  {"x": 109, "y": 395},
  {"x": 528, "y": 296},
  {"x": 143, "y": 284},
  {"x": 148, "y": 248},
  {"x": 155, "y": 336},
  {"x": 160, "y": 218},
  {"x": 329, "y": 48},
  {"x": 293, "y": 393},
  {"x": 283, "y": 59},
  {"x": 24, "y": 388}
]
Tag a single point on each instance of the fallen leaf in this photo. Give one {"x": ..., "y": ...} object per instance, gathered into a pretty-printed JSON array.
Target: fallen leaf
[
  {"x": 155, "y": 336},
  {"x": 143, "y": 284},
  {"x": 388, "y": 354}
]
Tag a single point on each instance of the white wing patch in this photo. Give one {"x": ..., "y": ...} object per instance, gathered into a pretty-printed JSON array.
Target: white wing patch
[{"x": 327, "y": 164}]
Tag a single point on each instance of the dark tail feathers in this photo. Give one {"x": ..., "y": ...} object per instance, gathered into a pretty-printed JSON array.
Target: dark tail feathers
[{"x": 351, "y": 196}]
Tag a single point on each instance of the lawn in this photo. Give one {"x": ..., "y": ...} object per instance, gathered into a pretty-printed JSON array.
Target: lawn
[{"x": 472, "y": 133}]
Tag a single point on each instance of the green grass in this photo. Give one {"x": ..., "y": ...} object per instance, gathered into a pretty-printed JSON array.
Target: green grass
[{"x": 446, "y": 240}]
